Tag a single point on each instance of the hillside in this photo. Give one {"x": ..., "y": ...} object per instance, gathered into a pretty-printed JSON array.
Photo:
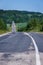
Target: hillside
[
  {"x": 19, "y": 16},
  {"x": 25, "y": 21}
]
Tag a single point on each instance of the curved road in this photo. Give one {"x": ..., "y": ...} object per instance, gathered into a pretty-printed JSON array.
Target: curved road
[{"x": 18, "y": 49}]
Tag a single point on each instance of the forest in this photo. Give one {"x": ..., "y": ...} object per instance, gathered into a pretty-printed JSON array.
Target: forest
[{"x": 25, "y": 20}]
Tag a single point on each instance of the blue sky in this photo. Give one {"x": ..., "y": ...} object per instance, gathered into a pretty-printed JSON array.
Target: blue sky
[{"x": 26, "y": 5}]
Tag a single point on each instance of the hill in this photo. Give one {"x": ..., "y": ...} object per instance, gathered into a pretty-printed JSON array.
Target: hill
[{"x": 19, "y": 16}]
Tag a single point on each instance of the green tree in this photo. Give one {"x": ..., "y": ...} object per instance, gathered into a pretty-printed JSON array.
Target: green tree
[
  {"x": 3, "y": 25},
  {"x": 41, "y": 25},
  {"x": 32, "y": 24}
]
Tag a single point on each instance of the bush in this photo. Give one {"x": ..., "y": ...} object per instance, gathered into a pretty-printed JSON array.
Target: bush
[{"x": 3, "y": 25}]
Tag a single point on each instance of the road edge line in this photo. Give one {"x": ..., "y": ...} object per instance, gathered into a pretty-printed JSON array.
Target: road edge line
[
  {"x": 5, "y": 34},
  {"x": 38, "y": 62}
]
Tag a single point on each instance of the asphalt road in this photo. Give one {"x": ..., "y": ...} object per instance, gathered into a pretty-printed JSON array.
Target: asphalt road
[
  {"x": 39, "y": 40},
  {"x": 18, "y": 49}
]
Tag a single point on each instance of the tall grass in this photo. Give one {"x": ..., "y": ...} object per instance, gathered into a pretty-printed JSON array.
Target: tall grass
[{"x": 21, "y": 26}]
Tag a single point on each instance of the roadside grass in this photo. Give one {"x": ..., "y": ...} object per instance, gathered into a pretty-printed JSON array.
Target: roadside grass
[
  {"x": 36, "y": 29},
  {"x": 40, "y": 32},
  {"x": 21, "y": 26},
  {"x": 3, "y": 31}
]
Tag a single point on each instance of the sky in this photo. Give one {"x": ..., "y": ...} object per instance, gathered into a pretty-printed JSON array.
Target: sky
[{"x": 24, "y": 5}]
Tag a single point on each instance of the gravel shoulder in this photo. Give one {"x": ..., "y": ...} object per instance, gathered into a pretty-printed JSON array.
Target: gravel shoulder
[{"x": 27, "y": 58}]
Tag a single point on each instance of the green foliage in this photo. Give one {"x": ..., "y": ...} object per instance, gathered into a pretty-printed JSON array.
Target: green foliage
[
  {"x": 3, "y": 25},
  {"x": 18, "y": 16},
  {"x": 32, "y": 24},
  {"x": 21, "y": 26},
  {"x": 33, "y": 20},
  {"x": 35, "y": 25},
  {"x": 41, "y": 25}
]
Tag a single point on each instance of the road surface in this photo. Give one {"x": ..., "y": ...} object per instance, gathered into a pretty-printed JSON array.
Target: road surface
[{"x": 18, "y": 49}]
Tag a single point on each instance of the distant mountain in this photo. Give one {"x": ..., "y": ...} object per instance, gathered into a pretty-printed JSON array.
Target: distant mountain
[{"x": 19, "y": 16}]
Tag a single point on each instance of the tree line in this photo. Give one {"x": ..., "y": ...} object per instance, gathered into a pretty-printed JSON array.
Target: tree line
[{"x": 34, "y": 20}]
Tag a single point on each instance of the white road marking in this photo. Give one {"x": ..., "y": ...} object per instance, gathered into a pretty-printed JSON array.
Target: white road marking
[
  {"x": 5, "y": 34},
  {"x": 38, "y": 62}
]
